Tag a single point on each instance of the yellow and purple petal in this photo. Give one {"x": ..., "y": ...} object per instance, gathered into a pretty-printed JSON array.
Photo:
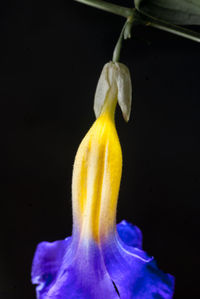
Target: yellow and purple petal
[{"x": 100, "y": 259}]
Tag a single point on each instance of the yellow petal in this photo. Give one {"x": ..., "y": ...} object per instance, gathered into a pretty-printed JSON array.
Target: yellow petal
[{"x": 97, "y": 175}]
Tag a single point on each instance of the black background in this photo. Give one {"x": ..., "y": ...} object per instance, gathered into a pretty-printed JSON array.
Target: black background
[{"x": 51, "y": 55}]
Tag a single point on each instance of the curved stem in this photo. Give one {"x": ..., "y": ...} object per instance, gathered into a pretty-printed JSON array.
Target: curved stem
[
  {"x": 110, "y": 7},
  {"x": 117, "y": 49},
  {"x": 125, "y": 33}
]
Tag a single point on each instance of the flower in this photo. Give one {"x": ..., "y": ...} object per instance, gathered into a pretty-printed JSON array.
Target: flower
[{"x": 100, "y": 259}]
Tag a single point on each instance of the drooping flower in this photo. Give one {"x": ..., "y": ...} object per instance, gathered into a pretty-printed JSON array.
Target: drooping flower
[{"x": 100, "y": 260}]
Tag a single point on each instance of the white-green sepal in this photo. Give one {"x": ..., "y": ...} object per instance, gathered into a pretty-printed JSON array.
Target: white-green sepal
[
  {"x": 103, "y": 86},
  {"x": 115, "y": 79},
  {"x": 124, "y": 87}
]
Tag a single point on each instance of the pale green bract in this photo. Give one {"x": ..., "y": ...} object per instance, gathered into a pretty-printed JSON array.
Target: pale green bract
[
  {"x": 180, "y": 12},
  {"x": 115, "y": 78}
]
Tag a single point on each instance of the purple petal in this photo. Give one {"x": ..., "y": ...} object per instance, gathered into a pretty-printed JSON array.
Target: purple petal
[
  {"x": 70, "y": 269},
  {"x": 81, "y": 272},
  {"x": 46, "y": 263},
  {"x": 130, "y": 234},
  {"x": 135, "y": 274}
]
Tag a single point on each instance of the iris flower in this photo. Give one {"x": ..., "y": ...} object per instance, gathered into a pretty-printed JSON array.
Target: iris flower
[{"x": 101, "y": 259}]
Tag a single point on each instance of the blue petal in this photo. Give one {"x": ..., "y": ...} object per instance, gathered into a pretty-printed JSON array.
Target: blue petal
[
  {"x": 46, "y": 263},
  {"x": 137, "y": 276},
  {"x": 130, "y": 234},
  {"x": 70, "y": 269},
  {"x": 81, "y": 272}
]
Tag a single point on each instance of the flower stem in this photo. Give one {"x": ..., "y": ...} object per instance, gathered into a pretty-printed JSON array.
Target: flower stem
[
  {"x": 110, "y": 7},
  {"x": 117, "y": 49},
  {"x": 125, "y": 33}
]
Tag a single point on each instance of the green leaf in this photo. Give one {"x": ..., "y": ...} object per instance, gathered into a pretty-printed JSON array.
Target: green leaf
[{"x": 182, "y": 12}]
